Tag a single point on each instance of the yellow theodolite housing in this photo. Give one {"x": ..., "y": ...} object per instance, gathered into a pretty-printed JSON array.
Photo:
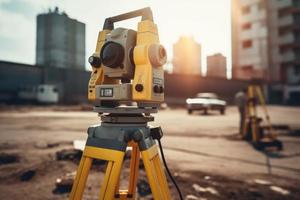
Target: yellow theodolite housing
[{"x": 128, "y": 65}]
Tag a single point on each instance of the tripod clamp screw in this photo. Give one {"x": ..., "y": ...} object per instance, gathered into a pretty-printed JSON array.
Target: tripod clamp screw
[{"x": 137, "y": 135}]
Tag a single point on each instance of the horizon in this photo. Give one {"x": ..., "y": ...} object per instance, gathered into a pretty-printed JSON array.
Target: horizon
[{"x": 211, "y": 30}]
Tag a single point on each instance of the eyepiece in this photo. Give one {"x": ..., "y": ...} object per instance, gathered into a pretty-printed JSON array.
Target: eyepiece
[{"x": 112, "y": 54}]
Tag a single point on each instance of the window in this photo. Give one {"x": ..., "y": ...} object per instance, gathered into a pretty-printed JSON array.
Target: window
[
  {"x": 297, "y": 18},
  {"x": 297, "y": 36},
  {"x": 283, "y": 49},
  {"x": 297, "y": 57},
  {"x": 283, "y": 30},
  {"x": 246, "y": 26},
  {"x": 297, "y": 52},
  {"x": 247, "y": 67},
  {"x": 246, "y": 10},
  {"x": 296, "y": 3},
  {"x": 297, "y": 69},
  {"x": 247, "y": 44},
  {"x": 284, "y": 11}
]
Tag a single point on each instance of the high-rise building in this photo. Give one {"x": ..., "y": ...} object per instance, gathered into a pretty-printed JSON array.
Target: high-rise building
[
  {"x": 266, "y": 40},
  {"x": 186, "y": 56},
  {"x": 216, "y": 66},
  {"x": 288, "y": 31},
  {"x": 266, "y": 44},
  {"x": 249, "y": 39},
  {"x": 60, "y": 41}
]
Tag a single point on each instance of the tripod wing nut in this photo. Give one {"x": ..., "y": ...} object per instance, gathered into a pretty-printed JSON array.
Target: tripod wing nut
[{"x": 137, "y": 135}]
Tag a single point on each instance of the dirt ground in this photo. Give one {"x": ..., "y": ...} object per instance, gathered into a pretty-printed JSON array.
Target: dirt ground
[{"x": 205, "y": 155}]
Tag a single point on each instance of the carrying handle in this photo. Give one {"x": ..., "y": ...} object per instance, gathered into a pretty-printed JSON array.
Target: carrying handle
[{"x": 145, "y": 13}]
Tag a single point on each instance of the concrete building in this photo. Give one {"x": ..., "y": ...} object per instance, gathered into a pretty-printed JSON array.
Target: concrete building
[
  {"x": 60, "y": 41},
  {"x": 187, "y": 56},
  {"x": 15, "y": 77},
  {"x": 266, "y": 43},
  {"x": 249, "y": 39},
  {"x": 289, "y": 49},
  {"x": 216, "y": 66},
  {"x": 289, "y": 40}
]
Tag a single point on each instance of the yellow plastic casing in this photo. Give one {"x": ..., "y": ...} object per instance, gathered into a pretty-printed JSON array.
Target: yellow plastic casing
[
  {"x": 97, "y": 75},
  {"x": 145, "y": 73}
]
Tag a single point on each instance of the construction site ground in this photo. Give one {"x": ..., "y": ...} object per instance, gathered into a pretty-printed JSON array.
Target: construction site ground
[{"x": 204, "y": 153}]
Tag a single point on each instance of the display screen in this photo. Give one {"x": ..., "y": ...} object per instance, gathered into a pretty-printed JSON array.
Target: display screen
[{"x": 106, "y": 92}]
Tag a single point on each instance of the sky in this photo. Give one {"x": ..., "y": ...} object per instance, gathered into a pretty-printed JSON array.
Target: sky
[{"x": 208, "y": 21}]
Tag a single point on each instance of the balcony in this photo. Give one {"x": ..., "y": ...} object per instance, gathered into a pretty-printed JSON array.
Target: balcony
[
  {"x": 254, "y": 16},
  {"x": 285, "y": 21},
  {"x": 287, "y": 38},
  {"x": 288, "y": 56},
  {"x": 283, "y": 4}
]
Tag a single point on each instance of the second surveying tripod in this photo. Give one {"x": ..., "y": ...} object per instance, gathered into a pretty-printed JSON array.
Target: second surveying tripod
[
  {"x": 261, "y": 136},
  {"x": 120, "y": 128}
]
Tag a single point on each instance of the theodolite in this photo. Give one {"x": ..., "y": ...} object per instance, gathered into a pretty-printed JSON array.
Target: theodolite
[{"x": 127, "y": 67}]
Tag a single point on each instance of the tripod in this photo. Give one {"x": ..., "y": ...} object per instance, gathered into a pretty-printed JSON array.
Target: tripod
[
  {"x": 122, "y": 127},
  {"x": 261, "y": 136}
]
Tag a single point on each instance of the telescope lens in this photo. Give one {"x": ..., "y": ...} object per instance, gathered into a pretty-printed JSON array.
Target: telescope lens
[{"x": 112, "y": 54}]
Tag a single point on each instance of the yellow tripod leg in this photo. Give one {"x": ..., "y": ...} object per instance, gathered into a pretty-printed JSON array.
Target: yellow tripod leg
[
  {"x": 245, "y": 122},
  {"x": 260, "y": 95},
  {"x": 134, "y": 169},
  {"x": 115, "y": 160},
  {"x": 81, "y": 177},
  {"x": 113, "y": 169},
  {"x": 253, "y": 114},
  {"x": 111, "y": 179},
  {"x": 130, "y": 193},
  {"x": 157, "y": 179}
]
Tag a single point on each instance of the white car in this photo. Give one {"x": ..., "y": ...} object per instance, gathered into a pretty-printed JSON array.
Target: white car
[{"x": 206, "y": 102}]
